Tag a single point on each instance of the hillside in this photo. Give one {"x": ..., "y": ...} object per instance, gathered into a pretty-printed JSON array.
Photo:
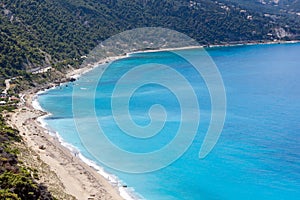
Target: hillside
[
  {"x": 277, "y": 6},
  {"x": 17, "y": 181},
  {"x": 37, "y": 34}
]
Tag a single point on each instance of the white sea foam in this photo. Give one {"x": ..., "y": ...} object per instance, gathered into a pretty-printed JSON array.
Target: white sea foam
[
  {"x": 126, "y": 193},
  {"x": 35, "y": 103}
]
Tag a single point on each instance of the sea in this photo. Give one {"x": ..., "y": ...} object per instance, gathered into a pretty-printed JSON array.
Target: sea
[{"x": 256, "y": 156}]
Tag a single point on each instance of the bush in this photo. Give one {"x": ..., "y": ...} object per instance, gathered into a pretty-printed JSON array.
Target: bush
[
  {"x": 20, "y": 184},
  {"x": 8, "y": 195}
]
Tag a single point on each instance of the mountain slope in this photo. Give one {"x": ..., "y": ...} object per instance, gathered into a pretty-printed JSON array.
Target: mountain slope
[
  {"x": 283, "y": 6},
  {"x": 56, "y": 33}
]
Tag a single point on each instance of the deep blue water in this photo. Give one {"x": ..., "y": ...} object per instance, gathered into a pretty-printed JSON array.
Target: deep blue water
[{"x": 258, "y": 153}]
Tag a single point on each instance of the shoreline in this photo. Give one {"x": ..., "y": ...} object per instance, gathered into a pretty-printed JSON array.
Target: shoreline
[
  {"x": 253, "y": 43},
  {"x": 79, "y": 179},
  {"x": 76, "y": 73},
  {"x": 111, "y": 179},
  {"x": 214, "y": 46},
  {"x": 111, "y": 187}
]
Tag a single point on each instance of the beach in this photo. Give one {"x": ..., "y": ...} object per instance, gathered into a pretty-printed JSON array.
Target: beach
[
  {"x": 68, "y": 175},
  {"x": 76, "y": 177},
  {"x": 62, "y": 170}
]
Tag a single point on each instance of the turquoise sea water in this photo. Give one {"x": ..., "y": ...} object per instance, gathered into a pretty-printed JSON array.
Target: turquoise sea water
[{"x": 258, "y": 153}]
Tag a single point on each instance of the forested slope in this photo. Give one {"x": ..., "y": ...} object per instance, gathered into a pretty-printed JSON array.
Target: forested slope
[
  {"x": 37, "y": 34},
  {"x": 56, "y": 33}
]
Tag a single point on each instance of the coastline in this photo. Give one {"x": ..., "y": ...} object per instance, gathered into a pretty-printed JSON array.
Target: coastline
[
  {"x": 77, "y": 177},
  {"x": 76, "y": 73},
  {"x": 254, "y": 43},
  {"x": 111, "y": 179},
  {"x": 215, "y": 46}
]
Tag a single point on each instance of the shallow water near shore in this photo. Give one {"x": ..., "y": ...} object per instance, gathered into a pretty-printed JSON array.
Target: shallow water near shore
[{"x": 258, "y": 153}]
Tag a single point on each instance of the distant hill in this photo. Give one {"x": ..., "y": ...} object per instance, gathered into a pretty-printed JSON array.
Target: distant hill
[
  {"x": 290, "y": 8},
  {"x": 37, "y": 34}
]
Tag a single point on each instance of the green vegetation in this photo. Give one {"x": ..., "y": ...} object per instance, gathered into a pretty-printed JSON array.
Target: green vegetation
[
  {"x": 16, "y": 181},
  {"x": 35, "y": 34},
  {"x": 40, "y": 33},
  {"x": 282, "y": 6},
  {"x": 282, "y": 14}
]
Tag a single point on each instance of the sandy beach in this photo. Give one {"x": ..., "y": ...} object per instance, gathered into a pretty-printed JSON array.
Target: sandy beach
[
  {"x": 66, "y": 175},
  {"x": 61, "y": 169}
]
